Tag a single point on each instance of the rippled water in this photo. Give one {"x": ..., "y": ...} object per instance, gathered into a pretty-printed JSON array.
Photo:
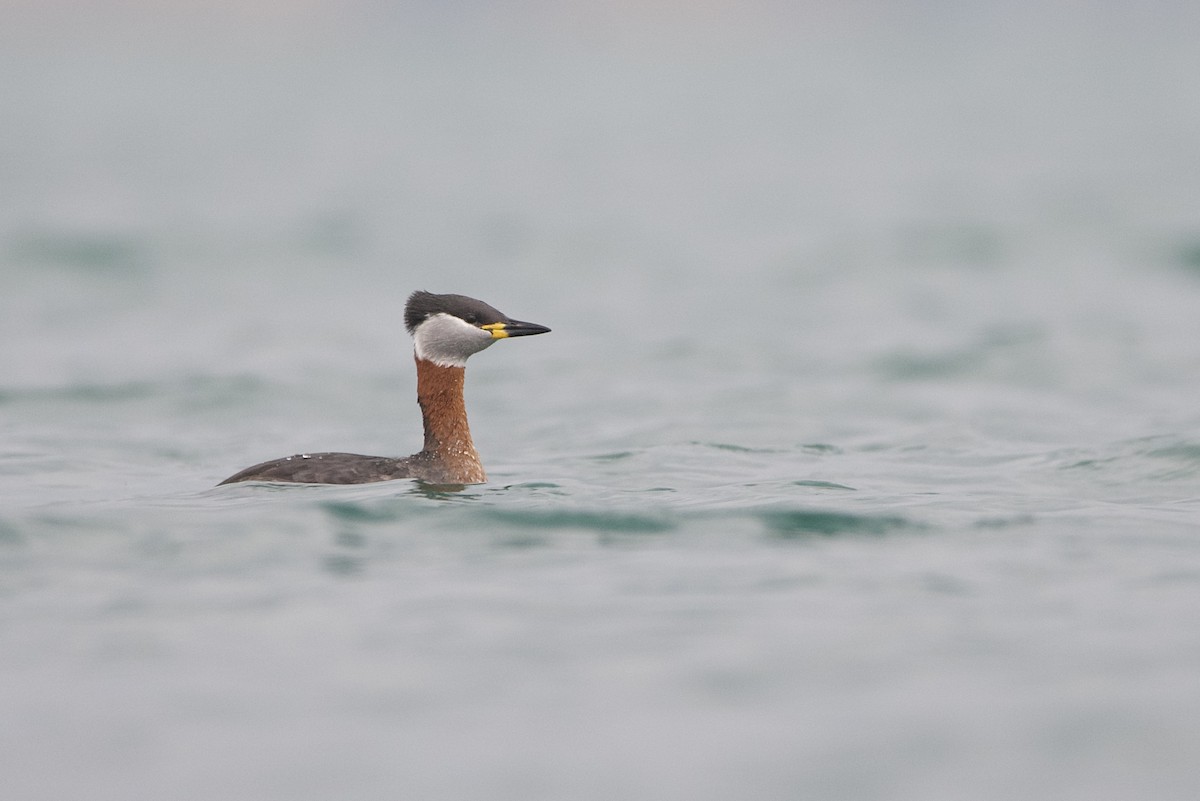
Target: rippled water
[{"x": 863, "y": 460}]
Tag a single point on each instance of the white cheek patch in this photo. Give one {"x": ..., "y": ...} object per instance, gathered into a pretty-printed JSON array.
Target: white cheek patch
[{"x": 447, "y": 341}]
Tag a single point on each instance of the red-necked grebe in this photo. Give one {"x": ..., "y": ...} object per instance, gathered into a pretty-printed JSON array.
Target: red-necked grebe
[{"x": 446, "y": 330}]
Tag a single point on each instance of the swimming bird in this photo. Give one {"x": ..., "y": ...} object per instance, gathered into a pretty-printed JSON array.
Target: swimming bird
[{"x": 446, "y": 330}]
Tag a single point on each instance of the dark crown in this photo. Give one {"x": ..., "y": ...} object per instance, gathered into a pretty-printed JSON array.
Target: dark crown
[{"x": 423, "y": 305}]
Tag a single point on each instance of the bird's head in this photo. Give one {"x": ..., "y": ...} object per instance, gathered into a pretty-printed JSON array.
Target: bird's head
[{"x": 447, "y": 329}]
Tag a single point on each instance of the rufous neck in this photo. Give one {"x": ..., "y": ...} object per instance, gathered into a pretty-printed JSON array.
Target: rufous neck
[{"x": 444, "y": 411}]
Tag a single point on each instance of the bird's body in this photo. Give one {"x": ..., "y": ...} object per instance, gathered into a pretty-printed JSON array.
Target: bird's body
[{"x": 446, "y": 330}]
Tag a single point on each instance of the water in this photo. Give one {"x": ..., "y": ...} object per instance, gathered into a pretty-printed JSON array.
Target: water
[{"x": 863, "y": 461}]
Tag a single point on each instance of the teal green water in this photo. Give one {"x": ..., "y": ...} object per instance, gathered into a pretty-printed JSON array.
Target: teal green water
[{"x": 862, "y": 462}]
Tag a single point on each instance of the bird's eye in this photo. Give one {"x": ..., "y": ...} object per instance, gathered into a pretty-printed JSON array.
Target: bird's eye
[{"x": 472, "y": 319}]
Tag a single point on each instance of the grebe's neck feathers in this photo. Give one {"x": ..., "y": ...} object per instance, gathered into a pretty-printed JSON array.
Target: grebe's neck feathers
[{"x": 448, "y": 446}]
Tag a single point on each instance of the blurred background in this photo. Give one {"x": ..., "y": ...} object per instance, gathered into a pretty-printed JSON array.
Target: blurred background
[
  {"x": 816, "y": 272},
  {"x": 238, "y": 164}
]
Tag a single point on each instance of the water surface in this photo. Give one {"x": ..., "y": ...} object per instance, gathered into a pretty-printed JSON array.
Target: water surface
[{"x": 863, "y": 461}]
